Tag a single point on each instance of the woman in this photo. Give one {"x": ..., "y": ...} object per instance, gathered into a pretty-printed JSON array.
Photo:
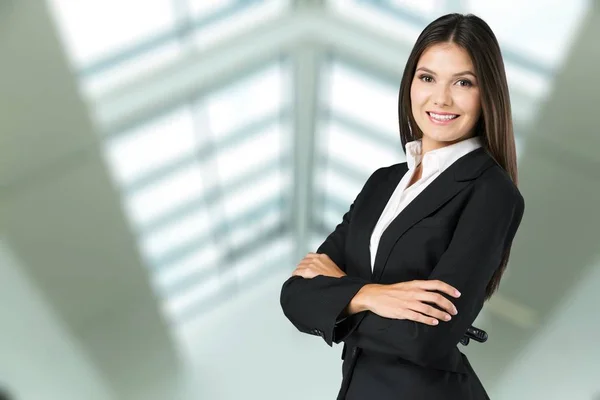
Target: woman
[{"x": 425, "y": 242}]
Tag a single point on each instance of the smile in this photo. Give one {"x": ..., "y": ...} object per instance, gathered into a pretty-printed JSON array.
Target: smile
[{"x": 442, "y": 119}]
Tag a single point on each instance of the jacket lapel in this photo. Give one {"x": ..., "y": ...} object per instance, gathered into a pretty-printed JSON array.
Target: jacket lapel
[
  {"x": 375, "y": 205},
  {"x": 450, "y": 182}
]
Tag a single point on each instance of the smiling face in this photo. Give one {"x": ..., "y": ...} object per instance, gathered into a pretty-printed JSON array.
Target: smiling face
[{"x": 444, "y": 96}]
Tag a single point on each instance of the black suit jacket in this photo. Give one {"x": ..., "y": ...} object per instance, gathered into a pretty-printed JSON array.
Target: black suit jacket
[{"x": 457, "y": 231}]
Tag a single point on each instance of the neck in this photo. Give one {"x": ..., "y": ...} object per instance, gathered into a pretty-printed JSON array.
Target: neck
[{"x": 428, "y": 144}]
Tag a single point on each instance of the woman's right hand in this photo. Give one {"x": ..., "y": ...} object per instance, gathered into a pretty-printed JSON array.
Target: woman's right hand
[{"x": 409, "y": 300}]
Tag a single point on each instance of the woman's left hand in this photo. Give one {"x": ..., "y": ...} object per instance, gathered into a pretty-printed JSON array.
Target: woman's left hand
[{"x": 317, "y": 264}]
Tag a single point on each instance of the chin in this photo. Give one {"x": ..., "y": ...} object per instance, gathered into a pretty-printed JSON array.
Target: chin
[{"x": 444, "y": 138}]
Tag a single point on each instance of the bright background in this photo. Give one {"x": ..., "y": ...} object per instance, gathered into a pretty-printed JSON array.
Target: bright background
[{"x": 164, "y": 164}]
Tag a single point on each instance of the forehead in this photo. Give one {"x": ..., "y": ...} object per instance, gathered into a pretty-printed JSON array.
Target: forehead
[{"x": 445, "y": 58}]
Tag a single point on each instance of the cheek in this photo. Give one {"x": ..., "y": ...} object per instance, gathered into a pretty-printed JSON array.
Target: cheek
[
  {"x": 469, "y": 104},
  {"x": 417, "y": 96}
]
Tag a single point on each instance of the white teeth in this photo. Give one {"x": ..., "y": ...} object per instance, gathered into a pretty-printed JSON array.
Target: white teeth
[{"x": 443, "y": 117}]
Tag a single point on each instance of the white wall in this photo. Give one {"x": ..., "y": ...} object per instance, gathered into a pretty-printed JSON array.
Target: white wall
[
  {"x": 63, "y": 215},
  {"x": 39, "y": 359},
  {"x": 247, "y": 349},
  {"x": 563, "y": 362}
]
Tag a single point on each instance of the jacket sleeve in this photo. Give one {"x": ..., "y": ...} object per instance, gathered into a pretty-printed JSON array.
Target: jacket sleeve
[
  {"x": 484, "y": 231},
  {"x": 314, "y": 305}
]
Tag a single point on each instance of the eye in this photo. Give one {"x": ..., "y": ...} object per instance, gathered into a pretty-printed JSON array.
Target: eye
[
  {"x": 426, "y": 78},
  {"x": 465, "y": 83}
]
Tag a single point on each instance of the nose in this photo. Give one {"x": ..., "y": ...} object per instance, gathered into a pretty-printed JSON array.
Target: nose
[{"x": 442, "y": 97}]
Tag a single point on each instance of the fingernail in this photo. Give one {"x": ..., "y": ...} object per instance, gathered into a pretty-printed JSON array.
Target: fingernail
[
  {"x": 435, "y": 321},
  {"x": 455, "y": 311},
  {"x": 447, "y": 317},
  {"x": 457, "y": 293}
]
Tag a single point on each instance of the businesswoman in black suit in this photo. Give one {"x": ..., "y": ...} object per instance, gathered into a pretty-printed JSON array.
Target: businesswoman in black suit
[{"x": 425, "y": 242}]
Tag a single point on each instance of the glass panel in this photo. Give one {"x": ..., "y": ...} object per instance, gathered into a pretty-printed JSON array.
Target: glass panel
[
  {"x": 246, "y": 101},
  {"x": 426, "y": 8},
  {"x": 94, "y": 29},
  {"x": 181, "y": 231},
  {"x": 271, "y": 220},
  {"x": 330, "y": 180},
  {"x": 205, "y": 289},
  {"x": 316, "y": 240},
  {"x": 527, "y": 81},
  {"x": 540, "y": 29},
  {"x": 356, "y": 149},
  {"x": 545, "y": 42},
  {"x": 151, "y": 146},
  {"x": 384, "y": 24},
  {"x": 365, "y": 98},
  {"x": 166, "y": 195},
  {"x": 200, "y": 8},
  {"x": 249, "y": 153},
  {"x": 524, "y": 109},
  {"x": 144, "y": 64},
  {"x": 333, "y": 216},
  {"x": 195, "y": 264},
  {"x": 236, "y": 23},
  {"x": 261, "y": 259},
  {"x": 253, "y": 194},
  {"x": 247, "y": 232}
]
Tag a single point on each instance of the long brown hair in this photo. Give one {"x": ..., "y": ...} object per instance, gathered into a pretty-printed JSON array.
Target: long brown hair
[{"x": 495, "y": 125}]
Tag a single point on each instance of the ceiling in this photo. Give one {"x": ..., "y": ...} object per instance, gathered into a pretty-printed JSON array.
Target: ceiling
[
  {"x": 217, "y": 119},
  {"x": 219, "y": 124}
]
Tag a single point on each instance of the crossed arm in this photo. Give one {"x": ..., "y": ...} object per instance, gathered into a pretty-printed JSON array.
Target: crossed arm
[{"x": 483, "y": 233}]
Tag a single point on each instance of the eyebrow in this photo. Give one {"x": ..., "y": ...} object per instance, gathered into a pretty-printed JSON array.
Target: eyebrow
[{"x": 467, "y": 72}]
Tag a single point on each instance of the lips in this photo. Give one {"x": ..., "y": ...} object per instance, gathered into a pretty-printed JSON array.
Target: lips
[{"x": 445, "y": 117}]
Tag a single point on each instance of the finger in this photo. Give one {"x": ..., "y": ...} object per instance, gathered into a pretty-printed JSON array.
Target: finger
[
  {"x": 309, "y": 256},
  {"x": 436, "y": 298},
  {"x": 299, "y": 268},
  {"x": 307, "y": 265},
  {"x": 440, "y": 287},
  {"x": 430, "y": 311},
  {"x": 312, "y": 255},
  {"x": 309, "y": 261},
  {"x": 415, "y": 316},
  {"x": 305, "y": 259},
  {"x": 305, "y": 273},
  {"x": 308, "y": 274}
]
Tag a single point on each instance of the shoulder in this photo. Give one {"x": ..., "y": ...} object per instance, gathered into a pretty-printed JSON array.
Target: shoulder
[
  {"x": 382, "y": 175},
  {"x": 495, "y": 186},
  {"x": 388, "y": 172}
]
